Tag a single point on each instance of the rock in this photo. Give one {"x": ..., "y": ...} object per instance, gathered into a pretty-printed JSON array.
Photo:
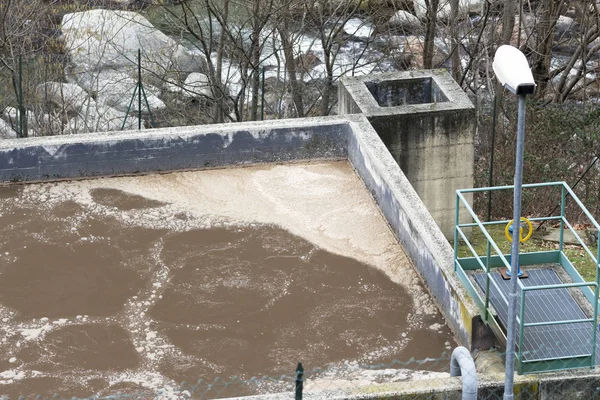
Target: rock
[
  {"x": 563, "y": 24},
  {"x": 115, "y": 88},
  {"x": 305, "y": 62},
  {"x": 99, "y": 39},
  {"x": 528, "y": 32},
  {"x": 358, "y": 28},
  {"x": 95, "y": 117},
  {"x": 403, "y": 21},
  {"x": 465, "y": 7},
  {"x": 6, "y": 130},
  {"x": 10, "y": 114},
  {"x": 410, "y": 51},
  {"x": 64, "y": 95},
  {"x": 196, "y": 85}
]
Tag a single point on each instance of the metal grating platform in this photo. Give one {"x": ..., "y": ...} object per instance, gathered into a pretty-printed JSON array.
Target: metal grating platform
[{"x": 549, "y": 342}]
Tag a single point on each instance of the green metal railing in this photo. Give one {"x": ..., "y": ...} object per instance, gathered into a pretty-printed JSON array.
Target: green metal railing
[{"x": 495, "y": 258}]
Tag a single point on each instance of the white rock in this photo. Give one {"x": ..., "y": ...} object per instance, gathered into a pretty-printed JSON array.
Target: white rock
[
  {"x": 196, "y": 85},
  {"x": 6, "y": 130},
  {"x": 98, "y": 39},
  {"x": 38, "y": 123},
  {"x": 563, "y": 24},
  {"x": 94, "y": 117},
  {"x": 115, "y": 88},
  {"x": 403, "y": 20},
  {"x": 464, "y": 7},
  {"x": 358, "y": 28},
  {"x": 61, "y": 94}
]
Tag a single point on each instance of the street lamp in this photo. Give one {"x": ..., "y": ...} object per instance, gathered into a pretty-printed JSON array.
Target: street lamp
[{"x": 513, "y": 72}]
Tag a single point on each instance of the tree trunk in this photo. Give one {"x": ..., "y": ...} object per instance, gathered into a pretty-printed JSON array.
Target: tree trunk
[
  {"x": 550, "y": 10},
  {"x": 456, "y": 66},
  {"x": 508, "y": 20},
  {"x": 431, "y": 22},
  {"x": 290, "y": 66},
  {"x": 255, "y": 58}
]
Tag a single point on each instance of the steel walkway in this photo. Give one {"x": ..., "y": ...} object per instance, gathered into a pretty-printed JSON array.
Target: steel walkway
[
  {"x": 557, "y": 341},
  {"x": 554, "y": 332}
]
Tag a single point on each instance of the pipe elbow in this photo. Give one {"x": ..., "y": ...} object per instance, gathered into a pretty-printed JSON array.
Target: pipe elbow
[{"x": 462, "y": 364}]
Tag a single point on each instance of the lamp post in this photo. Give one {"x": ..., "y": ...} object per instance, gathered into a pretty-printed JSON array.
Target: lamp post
[{"x": 512, "y": 70}]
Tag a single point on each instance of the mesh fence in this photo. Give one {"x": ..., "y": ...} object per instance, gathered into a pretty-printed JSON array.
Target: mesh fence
[{"x": 429, "y": 378}]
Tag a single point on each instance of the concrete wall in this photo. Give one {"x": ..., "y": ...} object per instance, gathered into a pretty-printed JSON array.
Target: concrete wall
[
  {"x": 417, "y": 232},
  {"x": 171, "y": 149},
  {"x": 432, "y": 142}
]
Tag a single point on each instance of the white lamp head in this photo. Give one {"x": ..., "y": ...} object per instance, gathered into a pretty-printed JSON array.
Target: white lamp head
[{"x": 512, "y": 70}]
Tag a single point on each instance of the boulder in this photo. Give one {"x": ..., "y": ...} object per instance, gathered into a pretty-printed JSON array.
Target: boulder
[
  {"x": 99, "y": 39},
  {"x": 38, "y": 123},
  {"x": 196, "y": 85},
  {"x": 359, "y": 29},
  {"x": 6, "y": 130},
  {"x": 465, "y": 7},
  {"x": 409, "y": 52},
  {"x": 67, "y": 96},
  {"x": 563, "y": 24},
  {"x": 403, "y": 21},
  {"x": 95, "y": 117},
  {"x": 114, "y": 88}
]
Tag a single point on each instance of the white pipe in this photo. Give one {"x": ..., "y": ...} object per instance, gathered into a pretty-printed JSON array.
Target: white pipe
[{"x": 462, "y": 364}]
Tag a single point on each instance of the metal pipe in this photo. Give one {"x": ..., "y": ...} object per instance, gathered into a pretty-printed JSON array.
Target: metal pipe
[
  {"x": 462, "y": 364},
  {"x": 514, "y": 258}
]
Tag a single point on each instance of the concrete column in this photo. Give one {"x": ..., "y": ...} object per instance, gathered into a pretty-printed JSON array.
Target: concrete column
[{"x": 427, "y": 123}]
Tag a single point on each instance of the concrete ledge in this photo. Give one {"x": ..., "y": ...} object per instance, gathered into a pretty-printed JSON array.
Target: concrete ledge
[{"x": 97, "y": 154}]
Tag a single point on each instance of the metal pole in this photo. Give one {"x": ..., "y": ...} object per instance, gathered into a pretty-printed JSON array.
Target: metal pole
[
  {"x": 21, "y": 107},
  {"x": 514, "y": 255},
  {"x": 139, "y": 89},
  {"x": 299, "y": 384},
  {"x": 491, "y": 176},
  {"x": 262, "y": 104}
]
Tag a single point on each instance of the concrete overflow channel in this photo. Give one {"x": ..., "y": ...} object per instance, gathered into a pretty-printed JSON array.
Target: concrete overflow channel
[{"x": 408, "y": 136}]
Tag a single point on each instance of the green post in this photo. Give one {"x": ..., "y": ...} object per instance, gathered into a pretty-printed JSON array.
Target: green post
[
  {"x": 596, "y": 293},
  {"x": 299, "y": 381},
  {"x": 521, "y": 328},
  {"x": 456, "y": 219},
  {"x": 487, "y": 279},
  {"x": 20, "y": 100},
  {"x": 262, "y": 104},
  {"x": 148, "y": 106},
  {"x": 139, "y": 89},
  {"x": 562, "y": 215}
]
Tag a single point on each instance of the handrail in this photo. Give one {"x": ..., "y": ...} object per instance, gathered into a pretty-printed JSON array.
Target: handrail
[
  {"x": 485, "y": 232},
  {"x": 484, "y": 265},
  {"x": 561, "y": 322},
  {"x": 578, "y": 238},
  {"x": 502, "y": 222},
  {"x": 511, "y": 187}
]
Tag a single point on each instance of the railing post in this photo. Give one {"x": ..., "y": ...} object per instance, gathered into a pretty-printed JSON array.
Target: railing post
[
  {"x": 595, "y": 327},
  {"x": 521, "y": 331},
  {"x": 562, "y": 215},
  {"x": 456, "y": 219},
  {"x": 487, "y": 277},
  {"x": 299, "y": 382},
  {"x": 139, "y": 86}
]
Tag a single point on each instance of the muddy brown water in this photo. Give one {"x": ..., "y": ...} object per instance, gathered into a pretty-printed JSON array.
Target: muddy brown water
[{"x": 93, "y": 304}]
